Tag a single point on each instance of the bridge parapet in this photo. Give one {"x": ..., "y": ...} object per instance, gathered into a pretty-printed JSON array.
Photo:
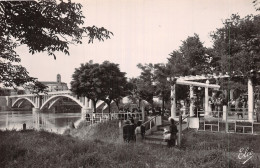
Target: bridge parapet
[
  {"x": 43, "y": 94},
  {"x": 39, "y": 101}
]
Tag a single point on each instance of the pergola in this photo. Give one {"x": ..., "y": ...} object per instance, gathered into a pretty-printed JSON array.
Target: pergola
[{"x": 190, "y": 81}]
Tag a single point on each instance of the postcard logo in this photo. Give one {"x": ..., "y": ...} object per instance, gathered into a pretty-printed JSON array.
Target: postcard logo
[{"x": 245, "y": 154}]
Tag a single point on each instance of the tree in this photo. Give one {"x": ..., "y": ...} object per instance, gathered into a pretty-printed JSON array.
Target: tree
[
  {"x": 134, "y": 91},
  {"x": 44, "y": 26},
  {"x": 145, "y": 83},
  {"x": 177, "y": 64},
  {"x": 191, "y": 58},
  {"x": 236, "y": 47},
  {"x": 161, "y": 73},
  {"x": 194, "y": 53},
  {"x": 237, "y": 43},
  {"x": 99, "y": 82},
  {"x": 113, "y": 83},
  {"x": 36, "y": 87},
  {"x": 86, "y": 82},
  {"x": 256, "y": 4}
]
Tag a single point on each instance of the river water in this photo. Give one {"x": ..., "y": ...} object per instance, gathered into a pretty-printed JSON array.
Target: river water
[{"x": 54, "y": 122}]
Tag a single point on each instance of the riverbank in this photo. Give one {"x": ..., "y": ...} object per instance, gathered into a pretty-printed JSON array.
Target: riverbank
[{"x": 97, "y": 146}]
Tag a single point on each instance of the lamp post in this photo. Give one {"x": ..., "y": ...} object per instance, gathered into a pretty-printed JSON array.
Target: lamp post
[{"x": 172, "y": 81}]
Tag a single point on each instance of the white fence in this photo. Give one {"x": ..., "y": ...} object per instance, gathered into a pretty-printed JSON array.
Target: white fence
[{"x": 100, "y": 117}]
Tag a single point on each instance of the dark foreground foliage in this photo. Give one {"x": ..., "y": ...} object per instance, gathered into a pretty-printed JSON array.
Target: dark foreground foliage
[{"x": 44, "y": 149}]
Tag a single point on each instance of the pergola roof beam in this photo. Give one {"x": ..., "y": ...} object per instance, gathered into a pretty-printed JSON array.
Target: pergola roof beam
[{"x": 182, "y": 82}]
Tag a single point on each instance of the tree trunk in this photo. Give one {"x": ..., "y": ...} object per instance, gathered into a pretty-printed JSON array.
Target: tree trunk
[
  {"x": 152, "y": 104},
  {"x": 117, "y": 104},
  {"x": 109, "y": 111},
  {"x": 95, "y": 105},
  {"x": 162, "y": 106}
]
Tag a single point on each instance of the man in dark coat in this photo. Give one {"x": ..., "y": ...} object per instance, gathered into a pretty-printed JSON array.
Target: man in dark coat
[
  {"x": 142, "y": 130},
  {"x": 173, "y": 131},
  {"x": 132, "y": 129},
  {"x": 127, "y": 131}
]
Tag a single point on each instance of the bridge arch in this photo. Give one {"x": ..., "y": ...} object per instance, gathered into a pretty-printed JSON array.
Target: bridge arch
[
  {"x": 59, "y": 96},
  {"x": 24, "y": 98},
  {"x": 54, "y": 102}
]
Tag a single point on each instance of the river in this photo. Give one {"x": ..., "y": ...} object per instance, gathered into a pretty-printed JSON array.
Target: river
[{"x": 54, "y": 122}]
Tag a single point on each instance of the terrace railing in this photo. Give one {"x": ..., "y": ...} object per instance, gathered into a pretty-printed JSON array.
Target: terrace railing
[{"x": 101, "y": 117}]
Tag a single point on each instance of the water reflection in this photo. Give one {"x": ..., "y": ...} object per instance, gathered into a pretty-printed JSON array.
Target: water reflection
[{"x": 55, "y": 122}]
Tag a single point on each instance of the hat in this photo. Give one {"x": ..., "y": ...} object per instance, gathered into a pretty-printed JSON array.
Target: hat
[
  {"x": 127, "y": 122},
  {"x": 170, "y": 118}
]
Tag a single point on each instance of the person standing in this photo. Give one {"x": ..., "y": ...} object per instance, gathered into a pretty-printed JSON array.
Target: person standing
[
  {"x": 138, "y": 132},
  {"x": 127, "y": 131},
  {"x": 132, "y": 130},
  {"x": 142, "y": 130},
  {"x": 173, "y": 131},
  {"x": 258, "y": 110},
  {"x": 239, "y": 106}
]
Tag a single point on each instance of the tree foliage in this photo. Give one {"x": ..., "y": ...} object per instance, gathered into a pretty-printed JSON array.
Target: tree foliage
[
  {"x": 99, "y": 82},
  {"x": 86, "y": 82},
  {"x": 237, "y": 45},
  {"x": 257, "y": 5},
  {"x": 44, "y": 26},
  {"x": 191, "y": 58},
  {"x": 194, "y": 53},
  {"x": 134, "y": 91},
  {"x": 146, "y": 83},
  {"x": 114, "y": 83},
  {"x": 161, "y": 72}
]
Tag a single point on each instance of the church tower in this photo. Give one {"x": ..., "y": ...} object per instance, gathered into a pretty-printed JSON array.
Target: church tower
[{"x": 58, "y": 78}]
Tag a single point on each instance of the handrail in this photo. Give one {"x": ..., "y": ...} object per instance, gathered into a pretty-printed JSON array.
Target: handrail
[
  {"x": 150, "y": 120},
  {"x": 182, "y": 119},
  {"x": 149, "y": 123}
]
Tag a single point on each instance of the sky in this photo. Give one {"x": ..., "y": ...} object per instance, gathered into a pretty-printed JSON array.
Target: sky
[{"x": 145, "y": 31}]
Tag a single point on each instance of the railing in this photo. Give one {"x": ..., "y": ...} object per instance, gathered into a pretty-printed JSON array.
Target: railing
[
  {"x": 238, "y": 111},
  {"x": 96, "y": 117},
  {"x": 177, "y": 123},
  {"x": 243, "y": 125},
  {"x": 228, "y": 120},
  {"x": 101, "y": 117},
  {"x": 48, "y": 93},
  {"x": 127, "y": 115},
  {"x": 150, "y": 123},
  {"x": 213, "y": 123}
]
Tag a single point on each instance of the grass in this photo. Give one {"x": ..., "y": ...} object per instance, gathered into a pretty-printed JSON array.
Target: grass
[{"x": 100, "y": 146}]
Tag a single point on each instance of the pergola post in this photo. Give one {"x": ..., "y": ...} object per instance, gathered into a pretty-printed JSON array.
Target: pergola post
[
  {"x": 207, "y": 99},
  {"x": 250, "y": 100},
  {"x": 86, "y": 102},
  {"x": 191, "y": 102},
  {"x": 173, "y": 101},
  {"x": 143, "y": 113},
  {"x": 90, "y": 104}
]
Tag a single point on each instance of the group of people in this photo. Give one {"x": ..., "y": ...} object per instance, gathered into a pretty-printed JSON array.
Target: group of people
[
  {"x": 133, "y": 132},
  {"x": 237, "y": 105}
]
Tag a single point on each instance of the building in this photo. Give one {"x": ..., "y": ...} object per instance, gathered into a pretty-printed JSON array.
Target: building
[
  {"x": 53, "y": 86},
  {"x": 57, "y": 85}
]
